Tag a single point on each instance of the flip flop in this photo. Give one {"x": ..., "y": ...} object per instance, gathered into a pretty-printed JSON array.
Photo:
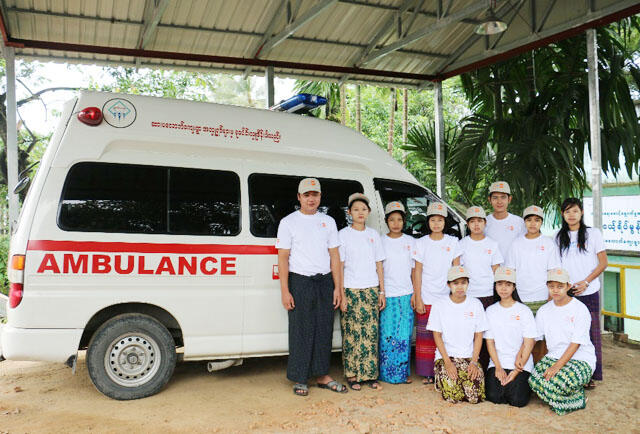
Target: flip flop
[
  {"x": 300, "y": 389},
  {"x": 373, "y": 384},
  {"x": 590, "y": 385},
  {"x": 333, "y": 386},
  {"x": 428, "y": 380},
  {"x": 355, "y": 383}
]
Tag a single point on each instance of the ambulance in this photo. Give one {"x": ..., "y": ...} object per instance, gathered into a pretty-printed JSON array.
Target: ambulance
[{"x": 149, "y": 228}]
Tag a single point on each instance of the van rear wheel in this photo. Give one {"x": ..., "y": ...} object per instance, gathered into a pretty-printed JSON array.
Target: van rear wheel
[{"x": 131, "y": 356}]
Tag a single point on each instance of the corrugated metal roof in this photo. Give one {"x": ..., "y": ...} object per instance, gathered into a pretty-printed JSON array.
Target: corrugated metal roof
[{"x": 389, "y": 42}]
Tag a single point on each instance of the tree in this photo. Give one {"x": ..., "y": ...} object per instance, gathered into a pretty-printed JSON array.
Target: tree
[{"x": 530, "y": 120}]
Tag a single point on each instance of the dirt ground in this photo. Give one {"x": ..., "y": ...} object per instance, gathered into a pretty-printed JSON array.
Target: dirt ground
[{"x": 46, "y": 397}]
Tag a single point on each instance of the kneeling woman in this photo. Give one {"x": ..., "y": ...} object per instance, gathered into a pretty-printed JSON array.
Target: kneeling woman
[
  {"x": 457, "y": 323},
  {"x": 559, "y": 378},
  {"x": 510, "y": 339}
]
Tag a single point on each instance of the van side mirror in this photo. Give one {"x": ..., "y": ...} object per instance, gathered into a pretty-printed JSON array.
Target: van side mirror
[{"x": 21, "y": 185}]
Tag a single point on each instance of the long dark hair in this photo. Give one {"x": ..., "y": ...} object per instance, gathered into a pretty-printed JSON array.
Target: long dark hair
[
  {"x": 514, "y": 294},
  {"x": 562, "y": 238}
]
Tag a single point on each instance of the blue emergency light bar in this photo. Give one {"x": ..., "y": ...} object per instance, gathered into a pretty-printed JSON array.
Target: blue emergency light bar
[{"x": 301, "y": 103}]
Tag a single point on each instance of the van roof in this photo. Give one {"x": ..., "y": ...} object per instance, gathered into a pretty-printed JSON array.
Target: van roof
[{"x": 243, "y": 130}]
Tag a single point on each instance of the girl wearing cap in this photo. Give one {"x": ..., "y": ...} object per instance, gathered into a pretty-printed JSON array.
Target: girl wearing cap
[
  {"x": 457, "y": 323},
  {"x": 363, "y": 297},
  {"x": 510, "y": 338},
  {"x": 583, "y": 255},
  {"x": 502, "y": 226},
  {"x": 481, "y": 256},
  {"x": 559, "y": 378},
  {"x": 396, "y": 320},
  {"x": 435, "y": 253},
  {"x": 532, "y": 255}
]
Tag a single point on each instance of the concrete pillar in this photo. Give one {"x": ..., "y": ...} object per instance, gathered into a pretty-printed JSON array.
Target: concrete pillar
[
  {"x": 594, "y": 134},
  {"x": 269, "y": 75},
  {"x": 12, "y": 137},
  {"x": 439, "y": 121}
]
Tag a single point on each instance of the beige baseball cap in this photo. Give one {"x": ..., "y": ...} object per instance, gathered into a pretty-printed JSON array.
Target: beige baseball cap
[
  {"x": 475, "y": 211},
  {"x": 456, "y": 272},
  {"x": 357, "y": 196},
  {"x": 533, "y": 210},
  {"x": 437, "y": 208},
  {"x": 558, "y": 275},
  {"x": 309, "y": 184},
  {"x": 394, "y": 206},
  {"x": 505, "y": 273},
  {"x": 500, "y": 187}
]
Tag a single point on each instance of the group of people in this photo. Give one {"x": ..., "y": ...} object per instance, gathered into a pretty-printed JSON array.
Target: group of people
[{"x": 472, "y": 301}]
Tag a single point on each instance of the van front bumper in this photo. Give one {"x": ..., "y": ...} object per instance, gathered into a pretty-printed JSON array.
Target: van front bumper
[{"x": 49, "y": 345}]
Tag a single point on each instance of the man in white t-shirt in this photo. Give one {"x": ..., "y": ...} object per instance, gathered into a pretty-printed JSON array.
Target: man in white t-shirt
[
  {"x": 502, "y": 226},
  {"x": 308, "y": 265}
]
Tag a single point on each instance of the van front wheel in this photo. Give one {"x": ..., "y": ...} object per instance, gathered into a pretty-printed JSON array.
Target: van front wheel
[{"x": 131, "y": 356}]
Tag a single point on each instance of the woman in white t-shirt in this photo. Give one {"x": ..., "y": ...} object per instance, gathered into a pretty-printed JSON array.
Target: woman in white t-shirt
[
  {"x": 481, "y": 256},
  {"x": 362, "y": 286},
  {"x": 396, "y": 320},
  {"x": 457, "y": 323},
  {"x": 583, "y": 255},
  {"x": 435, "y": 253},
  {"x": 510, "y": 339},
  {"x": 559, "y": 378}
]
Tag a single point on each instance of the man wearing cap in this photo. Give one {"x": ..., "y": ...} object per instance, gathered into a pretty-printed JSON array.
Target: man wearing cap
[
  {"x": 308, "y": 264},
  {"x": 502, "y": 226}
]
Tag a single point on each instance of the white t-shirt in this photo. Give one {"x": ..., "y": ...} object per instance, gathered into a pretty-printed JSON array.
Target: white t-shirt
[
  {"x": 458, "y": 322},
  {"x": 532, "y": 259},
  {"x": 436, "y": 258},
  {"x": 565, "y": 325},
  {"x": 505, "y": 231},
  {"x": 360, "y": 250},
  {"x": 508, "y": 327},
  {"x": 309, "y": 237},
  {"x": 398, "y": 265},
  {"x": 580, "y": 264},
  {"x": 477, "y": 258}
]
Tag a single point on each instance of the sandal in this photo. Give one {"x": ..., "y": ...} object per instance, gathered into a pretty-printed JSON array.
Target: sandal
[
  {"x": 333, "y": 386},
  {"x": 590, "y": 385},
  {"x": 354, "y": 383},
  {"x": 428, "y": 380},
  {"x": 374, "y": 384},
  {"x": 300, "y": 389}
]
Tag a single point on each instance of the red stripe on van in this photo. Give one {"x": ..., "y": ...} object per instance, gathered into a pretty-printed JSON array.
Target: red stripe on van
[{"x": 99, "y": 246}]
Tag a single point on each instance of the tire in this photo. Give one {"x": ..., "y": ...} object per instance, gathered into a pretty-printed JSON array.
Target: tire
[{"x": 131, "y": 356}]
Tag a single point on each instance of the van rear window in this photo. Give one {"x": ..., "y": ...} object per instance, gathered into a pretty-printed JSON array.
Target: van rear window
[
  {"x": 128, "y": 198},
  {"x": 272, "y": 197}
]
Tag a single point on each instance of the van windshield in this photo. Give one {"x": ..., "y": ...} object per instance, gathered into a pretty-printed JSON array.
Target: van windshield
[{"x": 415, "y": 199}]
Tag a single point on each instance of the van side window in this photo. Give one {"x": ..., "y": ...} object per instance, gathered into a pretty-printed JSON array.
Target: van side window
[
  {"x": 204, "y": 202},
  {"x": 415, "y": 200},
  {"x": 272, "y": 197},
  {"x": 128, "y": 198}
]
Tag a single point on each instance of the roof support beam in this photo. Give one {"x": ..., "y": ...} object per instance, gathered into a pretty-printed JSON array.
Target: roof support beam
[
  {"x": 546, "y": 14},
  {"x": 153, "y": 11},
  {"x": 267, "y": 34},
  {"x": 439, "y": 25},
  {"x": 383, "y": 31},
  {"x": 290, "y": 29},
  {"x": 379, "y": 6}
]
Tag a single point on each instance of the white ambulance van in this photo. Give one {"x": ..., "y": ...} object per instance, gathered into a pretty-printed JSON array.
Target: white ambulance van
[{"x": 150, "y": 227}]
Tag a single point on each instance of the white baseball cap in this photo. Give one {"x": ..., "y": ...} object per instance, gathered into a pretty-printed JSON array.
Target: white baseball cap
[
  {"x": 475, "y": 211},
  {"x": 505, "y": 273},
  {"x": 437, "y": 208},
  {"x": 558, "y": 275},
  {"x": 309, "y": 184},
  {"x": 357, "y": 196},
  {"x": 394, "y": 206},
  {"x": 533, "y": 210},
  {"x": 456, "y": 272},
  {"x": 500, "y": 187}
]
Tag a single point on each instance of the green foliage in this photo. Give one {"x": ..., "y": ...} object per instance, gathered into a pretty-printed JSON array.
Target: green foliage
[{"x": 4, "y": 262}]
